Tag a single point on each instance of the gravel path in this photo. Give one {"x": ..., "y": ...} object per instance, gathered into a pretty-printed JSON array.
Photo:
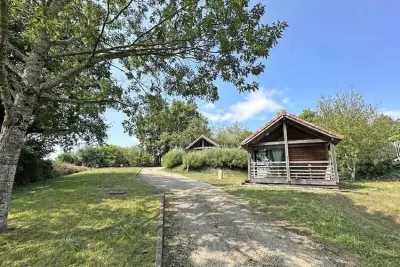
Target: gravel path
[{"x": 206, "y": 226}]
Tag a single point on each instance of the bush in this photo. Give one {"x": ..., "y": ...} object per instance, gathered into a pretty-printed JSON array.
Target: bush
[
  {"x": 114, "y": 156},
  {"x": 108, "y": 156},
  {"x": 216, "y": 158},
  {"x": 104, "y": 156},
  {"x": 137, "y": 157},
  {"x": 67, "y": 157},
  {"x": 375, "y": 170},
  {"x": 62, "y": 168},
  {"x": 31, "y": 165},
  {"x": 173, "y": 158}
]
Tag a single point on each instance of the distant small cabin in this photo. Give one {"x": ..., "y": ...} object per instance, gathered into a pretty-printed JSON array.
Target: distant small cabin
[
  {"x": 290, "y": 150},
  {"x": 202, "y": 142}
]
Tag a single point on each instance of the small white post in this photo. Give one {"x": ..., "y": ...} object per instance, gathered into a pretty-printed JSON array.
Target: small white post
[{"x": 220, "y": 174}]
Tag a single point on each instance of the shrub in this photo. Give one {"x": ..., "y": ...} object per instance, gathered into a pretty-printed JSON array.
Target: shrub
[
  {"x": 31, "y": 165},
  {"x": 138, "y": 157},
  {"x": 375, "y": 170},
  {"x": 91, "y": 157},
  {"x": 194, "y": 160},
  {"x": 217, "y": 158},
  {"x": 67, "y": 157},
  {"x": 62, "y": 168},
  {"x": 173, "y": 158},
  {"x": 104, "y": 156},
  {"x": 114, "y": 156}
]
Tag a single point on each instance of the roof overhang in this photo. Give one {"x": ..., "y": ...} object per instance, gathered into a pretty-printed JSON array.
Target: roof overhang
[
  {"x": 202, "y": 137},
  {"x": 333, "y": 137}
]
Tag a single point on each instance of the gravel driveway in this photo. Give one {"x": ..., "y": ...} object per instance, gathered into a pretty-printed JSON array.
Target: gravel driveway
[{"x": 205, "y": 226}]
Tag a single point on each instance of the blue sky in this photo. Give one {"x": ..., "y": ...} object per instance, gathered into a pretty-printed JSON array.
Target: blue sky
[{"x": 329, "y": 46}]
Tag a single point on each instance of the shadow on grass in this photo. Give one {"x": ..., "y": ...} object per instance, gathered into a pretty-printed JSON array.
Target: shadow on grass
[
  {"x": 72, "y": 221},
  {"x": 333, "y": 218},
  {"x": 351, "y": 185}
]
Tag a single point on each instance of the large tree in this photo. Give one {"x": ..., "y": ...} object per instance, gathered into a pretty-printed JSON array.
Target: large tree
[
  {"x": 366, "y": 130},
  {"x": 161, "y": 126},
  {"x": 50, "y": 49},
  {"x": 231, "y": 135}
]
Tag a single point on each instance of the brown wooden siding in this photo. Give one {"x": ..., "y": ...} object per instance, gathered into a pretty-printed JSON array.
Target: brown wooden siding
[{"x": 307, "y": 153}]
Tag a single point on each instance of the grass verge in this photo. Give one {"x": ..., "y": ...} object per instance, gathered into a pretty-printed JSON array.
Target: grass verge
[
  {"x": 83, "y": 220},
  {"x": 362, "y": 219}
]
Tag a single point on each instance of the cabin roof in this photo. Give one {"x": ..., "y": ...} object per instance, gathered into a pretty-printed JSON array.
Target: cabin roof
[
  {"x": 202, "y": 137},
  {"x": 288, "y": 116}
]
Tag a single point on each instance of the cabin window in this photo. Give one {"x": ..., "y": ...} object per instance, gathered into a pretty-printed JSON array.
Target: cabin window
[{"x": 269, "y": 154}]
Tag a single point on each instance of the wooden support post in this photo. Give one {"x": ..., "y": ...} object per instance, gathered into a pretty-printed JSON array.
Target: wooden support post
[
  {"x": 333, "y": 155},
  {"x": 286, "y": 151},
  {"x": 202, "y": 142},
  {"x": 248, "y": 163}
]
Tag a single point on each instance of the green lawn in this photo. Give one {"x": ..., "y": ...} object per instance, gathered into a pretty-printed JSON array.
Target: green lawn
[
  {"x": 362, "y": 218},
  {"x": 74, "y": 221}
]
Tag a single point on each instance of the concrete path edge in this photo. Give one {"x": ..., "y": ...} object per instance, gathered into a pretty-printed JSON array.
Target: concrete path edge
[{"x": 161, "y": 220}]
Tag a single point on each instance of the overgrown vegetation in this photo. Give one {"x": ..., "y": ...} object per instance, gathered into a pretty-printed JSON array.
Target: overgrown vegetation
[
  {"x": 76, "y": 221},
  {"x": 161, "y": 126},
  {"x": 173, "y": 158},
  {"x": 230, "y": 135},
  {"x": 364, "y": 153},
  {"x": 33, "y": 165},
  {"x": 62, "y": 168},
  {"x": 107, "y": 156},
  {"x": 362, "y": 219},
  {"x": 216, "y": 157}
]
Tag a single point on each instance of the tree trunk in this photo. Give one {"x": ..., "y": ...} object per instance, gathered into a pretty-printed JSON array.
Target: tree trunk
[{"x": 12, "y": 135}]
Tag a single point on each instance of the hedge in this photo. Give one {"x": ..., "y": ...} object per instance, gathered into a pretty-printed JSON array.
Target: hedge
[
  {"x": 173, "y": 158},
  {"x": 108, "y": 156},
  {"x": 216, "y": 158}
]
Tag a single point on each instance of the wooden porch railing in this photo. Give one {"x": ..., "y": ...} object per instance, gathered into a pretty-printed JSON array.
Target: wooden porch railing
[{"x": 298, "y": 170}]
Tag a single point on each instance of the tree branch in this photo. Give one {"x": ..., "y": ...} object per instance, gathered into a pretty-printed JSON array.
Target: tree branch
[
  {"x": 102, "y": 30},
  {"x": 160, "y": 23},
  {"x": 120, "y": 12},
  {"x": 80, "y": 101},
  {"x": 16, "y": 51},
  {"x": 97, "y": 59},
  {"x": 64, "y": 42},
  {"x": 11, "y": 66},
  {"x": 105, "y": 50}
]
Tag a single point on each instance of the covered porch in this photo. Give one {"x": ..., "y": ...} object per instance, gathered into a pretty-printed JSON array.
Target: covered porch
[{"x": 289, "y": 150}]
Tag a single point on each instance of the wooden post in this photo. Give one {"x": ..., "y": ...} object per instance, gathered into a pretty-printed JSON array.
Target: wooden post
[
  {"x": 248, "y": 163},
  {"x": 220, "y": 174},
  {"x": 202, "y": 142},
  {"x": 286, "y": 151},
  {"x": 333, "y": 155}
]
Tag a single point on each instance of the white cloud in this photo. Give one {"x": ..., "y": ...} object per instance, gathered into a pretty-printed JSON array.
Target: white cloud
[
  {"x": 286, "y": 100},
  {"x": 209, "y": 106},
  {"x": 395, "y": 114},
  {"x": 253, "y": 104}
]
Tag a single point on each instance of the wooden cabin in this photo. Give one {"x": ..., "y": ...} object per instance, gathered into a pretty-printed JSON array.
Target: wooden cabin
[
  {"x": 290, "y": 150},
  {"x": 202, "y": 142}
]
